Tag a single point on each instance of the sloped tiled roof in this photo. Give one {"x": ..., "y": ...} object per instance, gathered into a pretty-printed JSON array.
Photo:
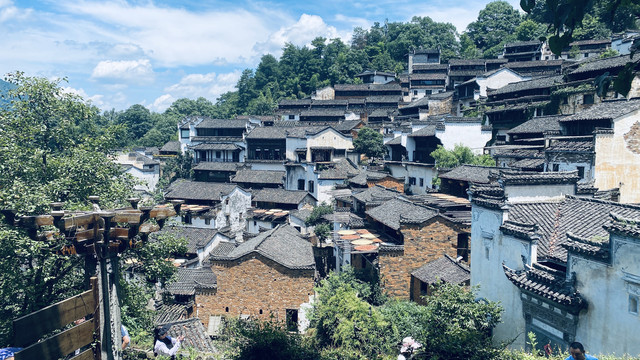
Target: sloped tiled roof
[
  {"x": 528, "y": 164},
  {"x": 283, "y": 245},
  {"x": 217, "y": 166},
  {"x": 166, "y": 313},
  {"x": 582, "y": 217},
  {"x": 518, "y": 152},
  {"x": 429, "y": 130},
  {"x": 197, "y": 238},
  {"x": 515, "y": 177},
  {"x": 539, "y": 83},
  {"x": 197, "y": 190},
  {"x": 208, "y": 123},
  {"x": 188, "y": 281},
  {"x": 216, "y": 146},
  {"x": 246, "y": 176},
  {"x": 397, "y": 211},
  {"x": 538, "y": 124},
  {"x": 342, "y": 169},
  {"x": 279, "y": 132},
  {"x": 195, "y": 335},
  {"x": 548, "y": 283},
  {"x": 367, "y": 87},
  {"x": 569, "y": 145},
  {"x": 395, "y": 141},
  {"x": 612, "y": 63},
  {"x": 375, "y": 194},
  {"x": 171, "y": 146},
  {"x": 606, "y": 110},
  {"x": 445, "y": 269},
  {"x": 280, "y": 196},
  {"x": 470, "y": 173},
  {"x": 361, "y": 179}
]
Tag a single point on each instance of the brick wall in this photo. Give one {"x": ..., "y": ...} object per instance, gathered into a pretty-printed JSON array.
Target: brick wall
[
  {"x": 422, "y": 244},
  {"x": 253, "y": 284}
]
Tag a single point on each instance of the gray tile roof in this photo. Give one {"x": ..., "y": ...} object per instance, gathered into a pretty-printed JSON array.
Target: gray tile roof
[
  {"x": 582, "y": 217},
  {"x": 167, "y": 313},
  {"x": 569, "y": 145},
  {"x": 429, "y": 130},
  {"x": 197, "y": 238},
  {"x": 216, "y": 146},
  {"x": 375, "y": 194},
  {"x": 547, "y": 283},
  {"x": 246, "y": 176},
  {"x": 217, "y": 166},
  {"x": 171, "y": 146},
  {"x": 361, "y": 179},
  {"x": 189, "y": 281},
  {"x": 622, "y": 225},
  {"x": 395, "y": 141},
  {"x": 223, "y": 248},
  {"x": 302, "y": 214},
  {"x": 367, "y": 87},
  {"x": 470, "y": 173},
  {"x": 538, "y": 124},
  {"x": 434, "y": 76},
  {"x": 528, "y": 164},
  {"x": 391, "y": 99},
  {"x": 515, "y": 177},
  {"x": 522, "y": 43},
  {"x": 397, "y": 211},
  {"x": 539, "y": 83},
  {"x": 445, "y": 269},
  {"x": 280, "y": 196},
  {"x": 284, "y": 245},
  {"x": 197, "y": 190},
  {"x": 278, "y": 132},
  {"x": 612, "y": 63},
  {"x": 208, "y": 123},
  {"x": 347, "y": 125},
  {"x": 195, "y": 335},
  {"x": 342, "y": 169},
  {"x": 606, "y": 110},
  {"x": 519, "y": 153}
]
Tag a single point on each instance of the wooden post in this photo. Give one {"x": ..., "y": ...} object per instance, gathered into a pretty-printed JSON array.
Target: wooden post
[{"x": 95, "y": 289}]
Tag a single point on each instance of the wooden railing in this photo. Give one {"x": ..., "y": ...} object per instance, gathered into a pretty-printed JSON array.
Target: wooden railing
[{"x": 29, "y": 330}]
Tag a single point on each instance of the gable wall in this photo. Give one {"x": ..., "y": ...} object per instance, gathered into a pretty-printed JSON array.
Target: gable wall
[
  {"x": 617, "y": 162},
  {"x": 422, "y": 244},
  {"x": 253, "y": 283}
]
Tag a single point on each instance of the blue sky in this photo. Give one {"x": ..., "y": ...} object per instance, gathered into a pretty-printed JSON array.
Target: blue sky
[{"x": 120, "y": 53}]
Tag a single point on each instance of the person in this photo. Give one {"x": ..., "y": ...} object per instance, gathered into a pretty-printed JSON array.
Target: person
[
  {"x": 163, "y": 343},
  {"x": 577, "y": 352},
  {"x": 125, "y": 337},
  {"x": 8, "y": 353}
]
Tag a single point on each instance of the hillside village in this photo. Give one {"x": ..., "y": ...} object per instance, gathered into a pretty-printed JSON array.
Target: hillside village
[
  {"x": 275, "y": 203},
  {"x": 544, "y": 231}
]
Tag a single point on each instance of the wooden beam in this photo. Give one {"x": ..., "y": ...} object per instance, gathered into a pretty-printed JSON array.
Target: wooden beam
[
  {"x": 59, "y": 345},
  {"x": 127, "y": 217},
  {"x": 85, "y": 355},
  {"x": 32, "y": 327},
  {"x": 80, "y": 220}
]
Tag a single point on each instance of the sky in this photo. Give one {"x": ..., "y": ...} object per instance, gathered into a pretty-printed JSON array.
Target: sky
[{"x": 119, "y": 53}]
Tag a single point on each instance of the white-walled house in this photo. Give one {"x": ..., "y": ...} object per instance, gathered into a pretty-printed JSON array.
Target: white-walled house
[
  {"x": 141, "y": 167},
  {"x": 470, "y": 91},
  {"x": 213, "y": 140},
  {"x": 547, "y": 256}
]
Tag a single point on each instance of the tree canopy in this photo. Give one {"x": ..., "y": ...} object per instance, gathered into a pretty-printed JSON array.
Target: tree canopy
[
  {"x": 370, "y": 143},
  {"x": 459, "y": 155}
]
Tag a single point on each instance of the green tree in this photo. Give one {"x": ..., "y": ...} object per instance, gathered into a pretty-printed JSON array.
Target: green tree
[
  {"x": 138, "y": 121},
  {"x": 468, "y": 49},
  {"x": 496, "y": 24},
  {"x": 269, "y": 339},
  {"x": 530, "y": 30},
  {"x": 458, "y": 326},
  {"x": 370, "y": 143},
  {"x": 459, "y": 155},
  {"x": 48, "y": 152}
]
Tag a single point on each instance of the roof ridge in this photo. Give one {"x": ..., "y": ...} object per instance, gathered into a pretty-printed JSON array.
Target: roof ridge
[{"x": 604, "y": 202}]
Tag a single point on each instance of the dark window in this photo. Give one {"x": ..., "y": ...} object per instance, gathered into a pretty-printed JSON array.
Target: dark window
[
  {"x": 421, "y": 182},
  {"x": 415, "y": 92},
  {"x": 186, "y": 218},
  {"x": 207, "y": 221},
  {"x": 218, "y": 154},
  {"x": 292, "y": 319},
  {"x": 300, "y": 184},
  {"x": 311, "y": 186},
  {"x": 556, "y": 167},
  {"x": 587, "y": 99},
  {"x": 463, "y": 246},
  {"x": 581, "y": 172},
  {"x": 412, "y": 181},
  {"x": 184, "y": 133},
  {"x": 292, "y": 117}
]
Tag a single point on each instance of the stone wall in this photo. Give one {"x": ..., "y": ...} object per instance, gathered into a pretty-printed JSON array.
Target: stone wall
[
  {"x": 256, "y": 286},
  {"x": 422, "y": 244}
]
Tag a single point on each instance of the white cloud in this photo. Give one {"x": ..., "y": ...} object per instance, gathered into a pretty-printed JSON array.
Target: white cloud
[
  {"x": 96, "y": 100},
  {"x": 354, "y": 21},
  {"x": 9, "y": 12},
  {"x": 162, "y": 103},
  {"x": 192, "y": 86},
  {"x": 139, "y": 71},
  {"x": 301, "y": 33}
]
